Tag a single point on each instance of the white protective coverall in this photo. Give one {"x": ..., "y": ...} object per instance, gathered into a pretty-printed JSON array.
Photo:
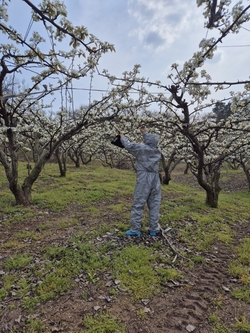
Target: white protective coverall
[{"x": 148, "y": 186}]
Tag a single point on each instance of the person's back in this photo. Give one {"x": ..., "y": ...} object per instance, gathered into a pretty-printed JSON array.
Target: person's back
[{"x": 147, "y": 154}]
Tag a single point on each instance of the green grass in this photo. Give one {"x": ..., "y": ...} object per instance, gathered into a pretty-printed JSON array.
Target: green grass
[
  {"x": 217, "y": 326},
  {"x": 100, "y": 198},
  {"x": 198, "y": 224},
  {"x": 242, "y": 325},
  {"x": 134, "y": 267},
  {"x": 18, "y": 261},
  {"x": 35, "y": 326},
  {"x": 59, "y": 193},
  {"x": 12, "y": 214},
  {"x": 26, "y": 234},
  {"x": 103, "y": 323},
  {"x": 240, "y": 268},
  {"x": 56, "y": 271}
]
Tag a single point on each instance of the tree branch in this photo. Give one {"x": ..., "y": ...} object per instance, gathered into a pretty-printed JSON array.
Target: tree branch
[{"x": 57, "y": 26}]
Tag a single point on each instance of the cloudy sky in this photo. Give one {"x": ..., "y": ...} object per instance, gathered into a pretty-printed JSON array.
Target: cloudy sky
[{"x": 154, "y": 34}]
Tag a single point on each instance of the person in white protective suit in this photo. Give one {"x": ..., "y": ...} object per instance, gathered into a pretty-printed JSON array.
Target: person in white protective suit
[{"x": 148, "y": 185}]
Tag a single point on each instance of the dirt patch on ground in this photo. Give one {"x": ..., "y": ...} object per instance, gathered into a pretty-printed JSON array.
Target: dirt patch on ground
[{"x": 181, "y": 306}]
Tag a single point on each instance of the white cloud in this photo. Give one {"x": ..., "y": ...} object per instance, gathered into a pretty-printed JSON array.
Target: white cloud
[{"x": 162, "y": 20}]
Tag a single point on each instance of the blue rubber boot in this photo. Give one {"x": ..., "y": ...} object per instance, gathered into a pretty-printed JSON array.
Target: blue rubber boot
[
  {"x": 133, "y": 233},
  {"x": 154, "y": 233}
]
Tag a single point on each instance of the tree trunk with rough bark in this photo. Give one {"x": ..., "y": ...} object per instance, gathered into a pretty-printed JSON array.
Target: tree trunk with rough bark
[
  {"x": 211, "y": 186},
  {"x": 75, "y": 157},
  {"x": 85, "y": 158},
  {"x": 22, "y": 193},
  {"x": 212, "y": 197},
  {"x": 168, "y": 166},
  {"x": 247, "y": 173},
  {"x": 61, "y": 160},
  {"x": 186, "y": 169},
  {"x": 208, "y": 176},
  {"x": 167, "y": 176}
]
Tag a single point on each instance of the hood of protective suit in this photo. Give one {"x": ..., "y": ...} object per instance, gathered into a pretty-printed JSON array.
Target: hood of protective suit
[
  {"x": 151, "y": 139},
  {"x": 147, "y": 154}
]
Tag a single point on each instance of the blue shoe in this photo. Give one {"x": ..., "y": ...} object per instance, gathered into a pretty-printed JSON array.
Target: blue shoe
[
  {"x": 154, "y": 233},
  {"x": 133, "y": 233}
]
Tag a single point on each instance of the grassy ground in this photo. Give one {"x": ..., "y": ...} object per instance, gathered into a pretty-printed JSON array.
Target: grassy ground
[{"x": 69, "y": 246}]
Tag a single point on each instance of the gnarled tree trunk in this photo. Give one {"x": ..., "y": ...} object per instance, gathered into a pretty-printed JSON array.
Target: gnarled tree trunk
[
  {"x": 22, "y": 193},
  {"x": 246, "y": 171},
  {"x": 168, "y": 166},
  {"x": 61, "y": 160},
  {"x": 74, "y": 155},
  {"x": 211, "y": 185}
]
